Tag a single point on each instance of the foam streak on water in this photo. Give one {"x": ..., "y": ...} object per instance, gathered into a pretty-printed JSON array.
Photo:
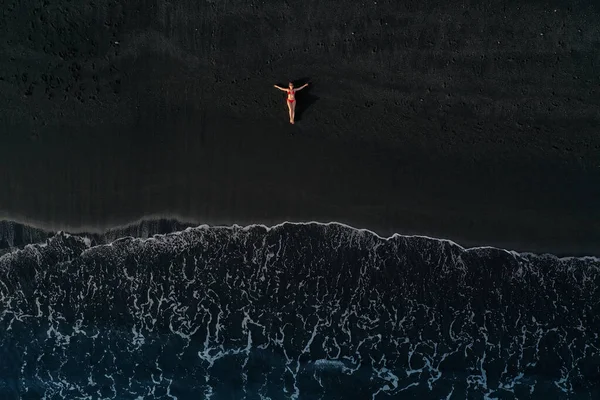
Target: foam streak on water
[{"x": 298, "y": 311}]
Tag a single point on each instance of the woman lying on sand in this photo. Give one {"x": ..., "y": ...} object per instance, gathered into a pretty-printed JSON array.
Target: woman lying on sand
[{"x": 291, "y": 98}]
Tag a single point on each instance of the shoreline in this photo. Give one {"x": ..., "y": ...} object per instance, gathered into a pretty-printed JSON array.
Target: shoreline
[{"x": 172, "y": 224}]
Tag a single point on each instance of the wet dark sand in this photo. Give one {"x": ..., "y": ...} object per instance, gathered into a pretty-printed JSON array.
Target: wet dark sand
[{"x": 479, "y": 123}]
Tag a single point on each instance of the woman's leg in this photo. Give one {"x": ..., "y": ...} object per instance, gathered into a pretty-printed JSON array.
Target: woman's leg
[{"x": 291, "y": 112}]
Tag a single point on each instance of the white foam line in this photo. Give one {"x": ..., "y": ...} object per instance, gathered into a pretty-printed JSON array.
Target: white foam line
[
  {"x": 395, "y": 236},
  {"x": 186, "y": 221}
]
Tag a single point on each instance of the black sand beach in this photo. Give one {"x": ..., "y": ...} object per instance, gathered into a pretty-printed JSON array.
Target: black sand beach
[{"x": 473, "y": 121}]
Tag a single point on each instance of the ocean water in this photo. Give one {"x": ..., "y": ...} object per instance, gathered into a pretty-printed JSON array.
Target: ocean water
[{"x": 298, "y": 311}]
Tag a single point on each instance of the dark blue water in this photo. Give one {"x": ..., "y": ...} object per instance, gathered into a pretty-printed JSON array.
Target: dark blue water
[{"x": 295, "y": 312}]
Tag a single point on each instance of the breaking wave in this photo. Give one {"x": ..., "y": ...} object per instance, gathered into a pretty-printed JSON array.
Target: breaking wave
[{"x": 297, "y": 311}]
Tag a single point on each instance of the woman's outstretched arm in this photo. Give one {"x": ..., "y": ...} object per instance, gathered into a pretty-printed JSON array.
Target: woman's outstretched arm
[
  {"x": 302, "y": 87},
  {"x": 279, "y": 87}
]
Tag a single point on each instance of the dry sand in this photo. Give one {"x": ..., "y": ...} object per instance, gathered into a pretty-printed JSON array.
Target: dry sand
[{"x": 472, "y": 121}]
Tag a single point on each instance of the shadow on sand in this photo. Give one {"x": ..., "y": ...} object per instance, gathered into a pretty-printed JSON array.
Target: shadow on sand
[{"x": 304, "y": 98}]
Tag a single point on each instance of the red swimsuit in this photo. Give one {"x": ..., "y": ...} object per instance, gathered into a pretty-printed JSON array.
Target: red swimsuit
[{"x": 290, "y": 97}]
